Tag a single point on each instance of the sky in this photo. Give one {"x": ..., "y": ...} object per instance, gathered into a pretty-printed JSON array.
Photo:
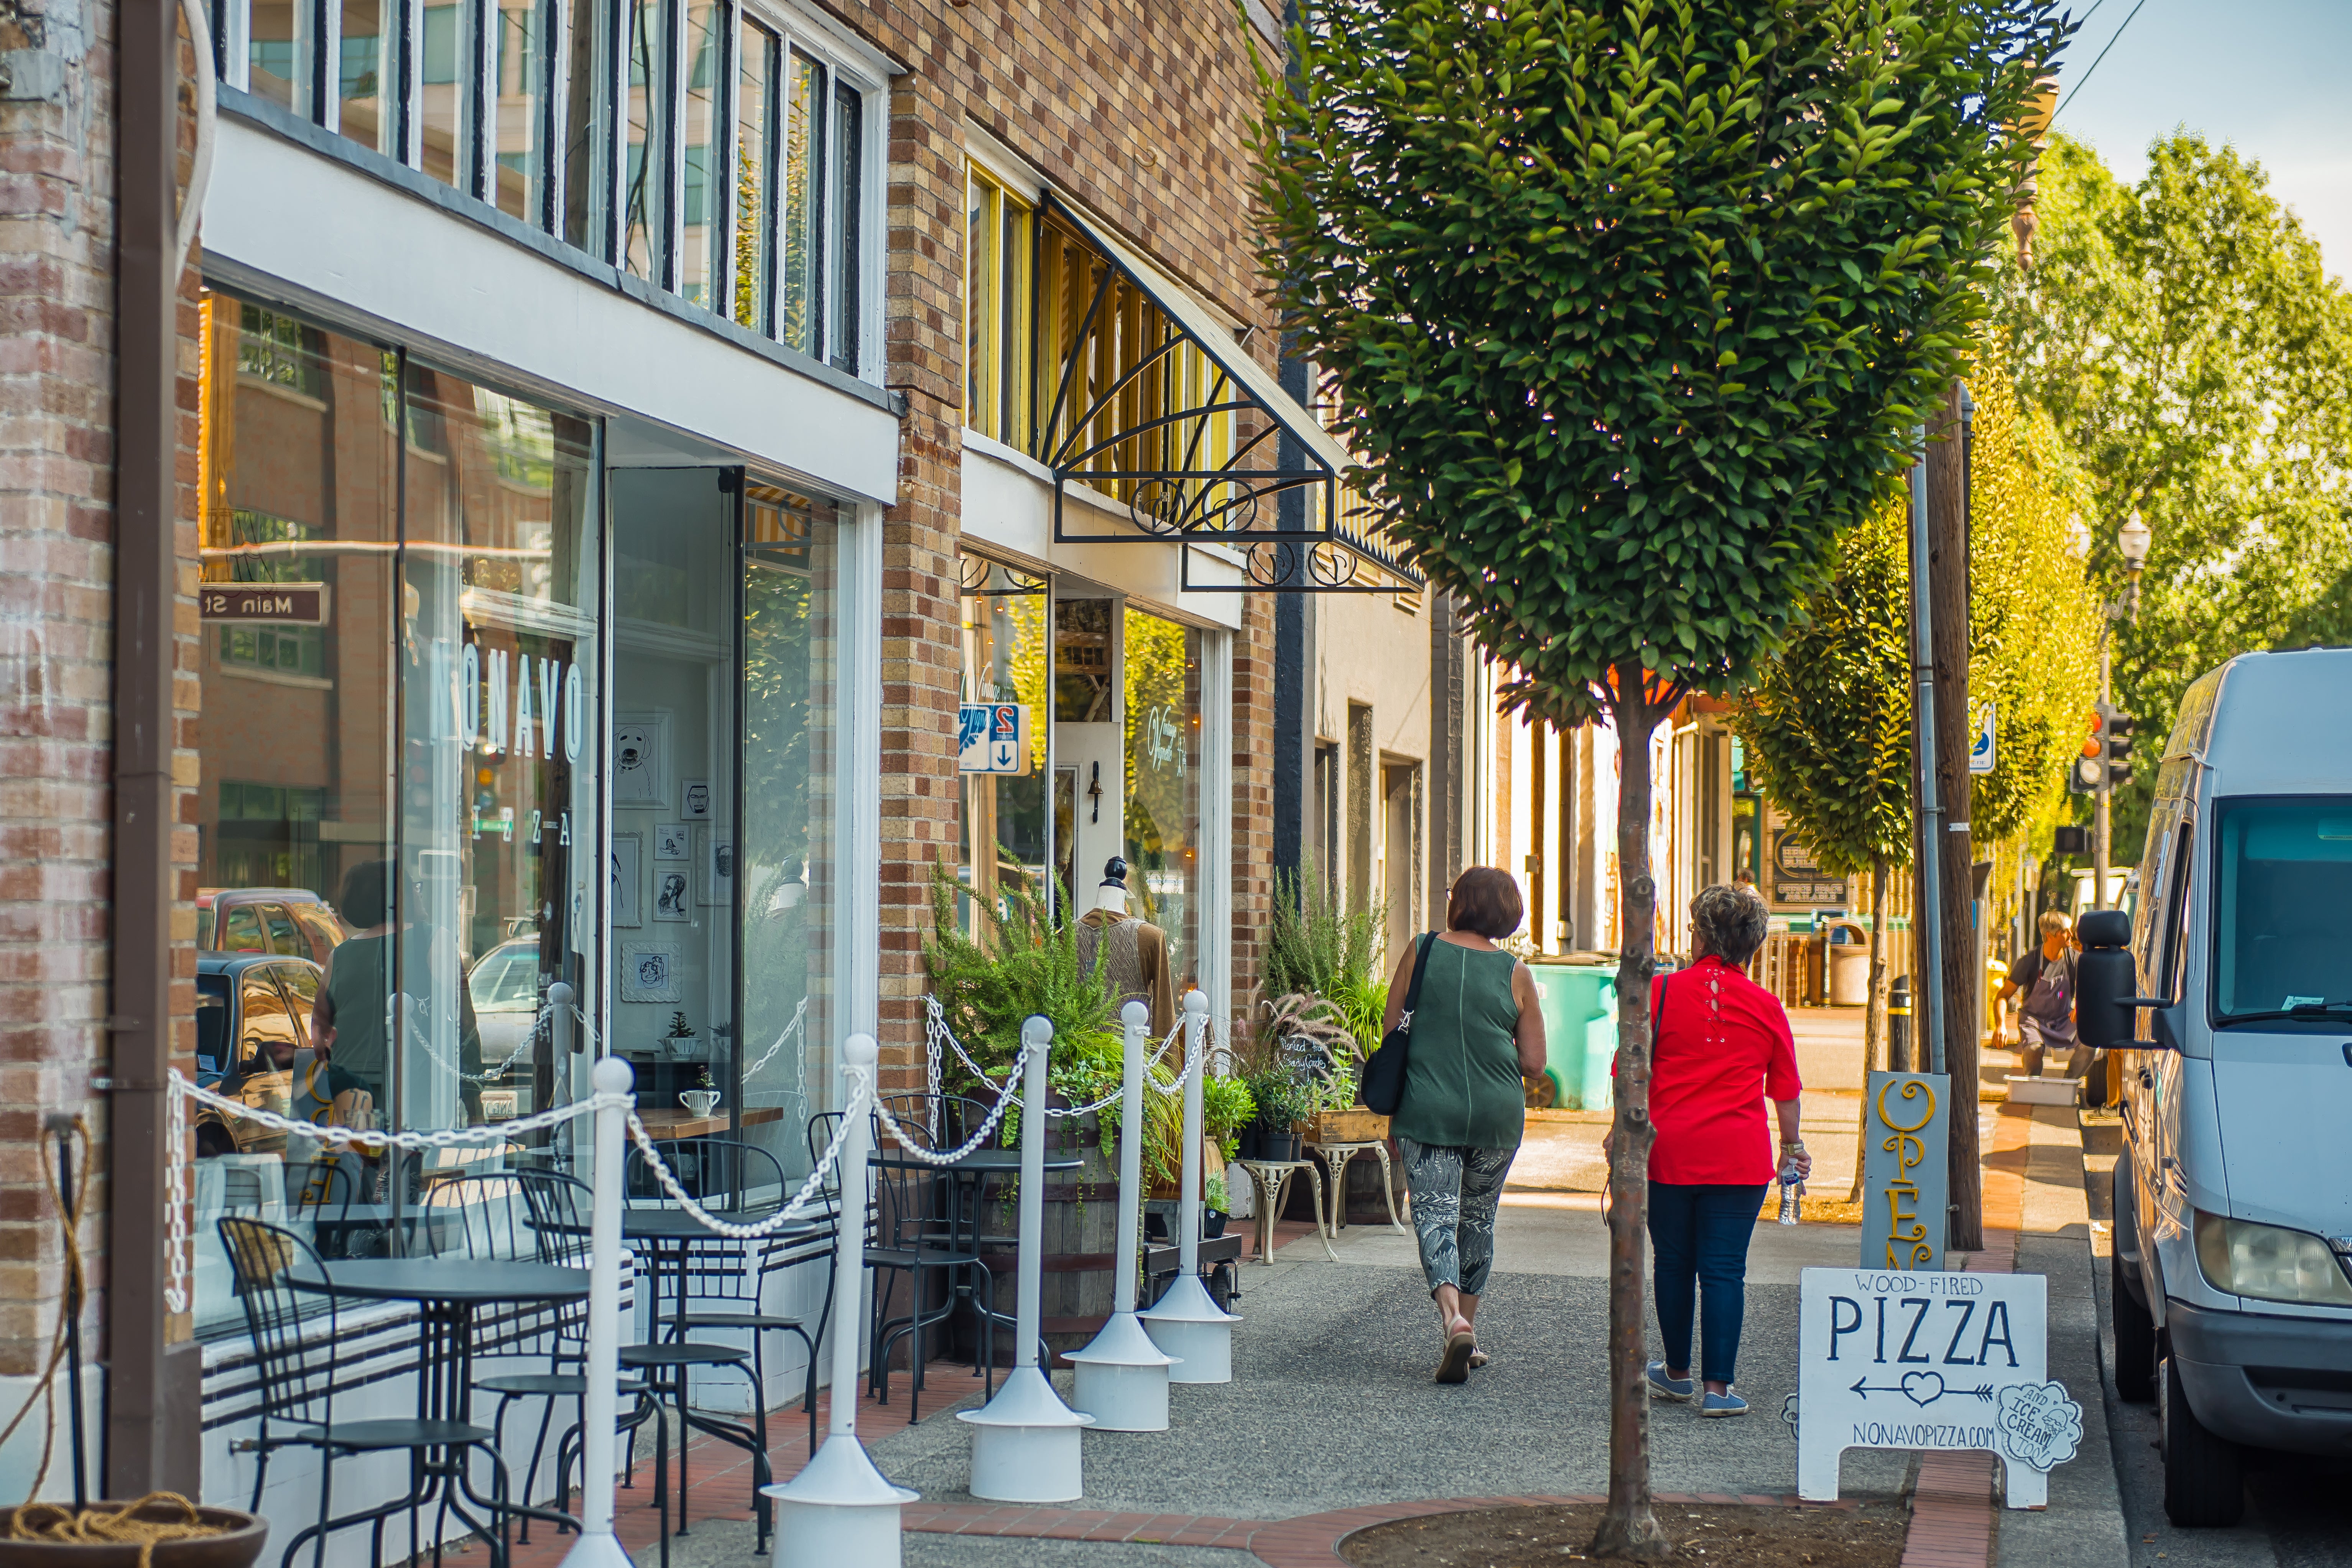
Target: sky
[{"x": 2267, "y": 76}]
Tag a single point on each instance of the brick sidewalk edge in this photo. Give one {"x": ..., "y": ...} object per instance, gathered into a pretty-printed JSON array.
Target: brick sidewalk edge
[{"x": 1310, "y": 1540}]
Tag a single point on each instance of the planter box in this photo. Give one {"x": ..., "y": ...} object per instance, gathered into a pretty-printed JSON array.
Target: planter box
[{"x": 1354, "y": 1125}]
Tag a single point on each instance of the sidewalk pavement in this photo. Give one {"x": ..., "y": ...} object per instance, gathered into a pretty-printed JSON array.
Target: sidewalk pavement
[{"x": 1332, "y": 1410}]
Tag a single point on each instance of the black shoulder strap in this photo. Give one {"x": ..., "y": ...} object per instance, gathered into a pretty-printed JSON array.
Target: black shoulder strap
[
  {"x": 1658, "y": 1018},
  {"x": 1420, "y": 968}
]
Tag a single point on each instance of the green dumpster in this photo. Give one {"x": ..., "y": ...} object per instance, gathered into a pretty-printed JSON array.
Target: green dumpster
[{"x": 1579, "y": 1009}]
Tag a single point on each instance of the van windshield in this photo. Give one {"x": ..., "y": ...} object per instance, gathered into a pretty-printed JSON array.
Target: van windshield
[{"x": 2282, "y": 908}]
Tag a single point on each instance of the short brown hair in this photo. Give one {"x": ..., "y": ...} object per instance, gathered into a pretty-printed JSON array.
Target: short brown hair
[{"x": 1485, "y": 898}]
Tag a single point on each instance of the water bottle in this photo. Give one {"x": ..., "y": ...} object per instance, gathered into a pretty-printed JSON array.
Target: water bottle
[{"x": 1792, "y": 1186}]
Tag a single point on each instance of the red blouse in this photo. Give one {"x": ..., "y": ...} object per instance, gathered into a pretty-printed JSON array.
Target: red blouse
[{"x": 1724, "y": 1048}]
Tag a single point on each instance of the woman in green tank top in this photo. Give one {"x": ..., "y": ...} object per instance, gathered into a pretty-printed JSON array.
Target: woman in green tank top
[{"x": 1477, "y": 1030}]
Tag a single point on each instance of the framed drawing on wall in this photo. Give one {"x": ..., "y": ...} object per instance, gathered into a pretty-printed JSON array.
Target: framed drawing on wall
[
  {"x": 719, "y": 873},
  {"x": 641, "y": 760},
  {"x": 670, "y": 893},
  {"x": 625, "y": 892},
  {"x": 649, "y": 971},
  {"x": 673, "y": 841}
]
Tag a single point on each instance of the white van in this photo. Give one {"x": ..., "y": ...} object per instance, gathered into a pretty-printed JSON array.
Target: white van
[{"x": 2230, "y": 989}]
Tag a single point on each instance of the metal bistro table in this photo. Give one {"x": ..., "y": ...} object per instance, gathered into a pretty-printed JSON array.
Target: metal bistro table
[
  {"x": 970, "y": 1175},
  {"x": 448, "y": 1292}
]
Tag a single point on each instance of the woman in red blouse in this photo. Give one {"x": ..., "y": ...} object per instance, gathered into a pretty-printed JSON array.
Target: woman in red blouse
[{"x": 1724, "y": 1047}]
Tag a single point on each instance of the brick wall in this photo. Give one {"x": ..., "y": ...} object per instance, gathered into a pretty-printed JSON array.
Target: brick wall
[
  {"x": 1136, "y": 110},
  {"x": 56, "y": 637}
]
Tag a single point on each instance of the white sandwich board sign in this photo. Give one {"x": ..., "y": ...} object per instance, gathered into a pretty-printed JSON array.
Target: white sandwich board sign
[{"x": 1889, "y": 1360}]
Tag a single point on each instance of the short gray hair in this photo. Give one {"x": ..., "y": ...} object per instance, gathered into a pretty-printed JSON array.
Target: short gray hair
[{"x": 1729, "y": 919}]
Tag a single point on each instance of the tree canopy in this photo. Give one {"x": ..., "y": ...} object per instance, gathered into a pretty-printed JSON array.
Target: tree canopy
[
  {"x": 2182, "y": 337},
  {"x": 2034, "y": 616},
  {"x": 1632, "y": 307}
]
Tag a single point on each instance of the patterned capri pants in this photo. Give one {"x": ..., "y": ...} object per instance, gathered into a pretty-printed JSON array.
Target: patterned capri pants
[{"x": 1455, "y": 1192}]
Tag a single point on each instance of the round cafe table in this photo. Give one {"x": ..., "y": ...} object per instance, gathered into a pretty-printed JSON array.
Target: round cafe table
[{"x": 449, "y": 1292}]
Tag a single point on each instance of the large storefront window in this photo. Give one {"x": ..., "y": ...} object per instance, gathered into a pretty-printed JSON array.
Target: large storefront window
[
  {"x": 400, "y": 573},
  {"x": 739, "y": 141},
  {"x": 1163, "y": 680},
  {"x": 1003, "y": 626},
  {"x": 724, "y": 887}
]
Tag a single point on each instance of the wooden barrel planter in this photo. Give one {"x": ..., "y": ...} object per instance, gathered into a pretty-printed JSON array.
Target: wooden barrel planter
[{"x": 1080, "y": 1238}]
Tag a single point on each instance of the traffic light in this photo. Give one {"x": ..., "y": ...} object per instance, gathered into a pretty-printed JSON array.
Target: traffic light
[
  {"x": 2087, "y": 773},
  {"x": 2119, "y": 747}
]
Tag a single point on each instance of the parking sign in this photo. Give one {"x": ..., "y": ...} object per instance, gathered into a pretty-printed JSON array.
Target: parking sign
[{"x": 992, "y": 738}]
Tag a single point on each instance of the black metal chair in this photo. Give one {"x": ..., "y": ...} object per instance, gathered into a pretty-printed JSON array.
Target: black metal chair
[
  {"x": 723, "y": 1174},
  {"x": 294, "y": 1341},
  {"x": 915, "y": 1235},
  {"x": 557, "y": 1208}
]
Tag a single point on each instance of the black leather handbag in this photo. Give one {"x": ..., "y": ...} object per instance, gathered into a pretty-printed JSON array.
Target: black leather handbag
[{"x": 1382, "y": 1090}]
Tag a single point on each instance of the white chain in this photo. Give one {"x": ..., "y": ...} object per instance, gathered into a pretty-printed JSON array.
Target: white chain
[
  {"x": 175, "y": 1197},
  {"x": 860, "y": 1098},
  {"x": 937, "y": 1031},
  {"x": 531, "y": 1038},
  {"x": 1004, "y": 1100},
  {"x": 175, "y": 1172},
  {"x": 798, "y": 1014}
]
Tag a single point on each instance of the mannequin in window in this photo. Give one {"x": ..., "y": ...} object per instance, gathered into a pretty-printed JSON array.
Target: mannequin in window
[{"x": 1136, "y": 966}]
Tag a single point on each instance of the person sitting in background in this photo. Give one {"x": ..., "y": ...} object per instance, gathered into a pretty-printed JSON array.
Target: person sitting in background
[{"x": 2046, "y": 976}]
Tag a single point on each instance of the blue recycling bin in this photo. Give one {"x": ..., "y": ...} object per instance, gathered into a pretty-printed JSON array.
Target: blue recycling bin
[{"x": 1579, "y": 1009}]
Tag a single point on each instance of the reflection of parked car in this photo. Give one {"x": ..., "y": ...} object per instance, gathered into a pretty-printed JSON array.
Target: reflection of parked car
[
  {"x": 253, "y": 1014},
  {"x": 266, "y": 920},
  {"x": 504, "y": 985}
]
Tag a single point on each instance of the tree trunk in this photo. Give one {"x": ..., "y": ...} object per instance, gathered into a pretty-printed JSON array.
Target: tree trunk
[
  {"x": 1629, "y": 1527},
  {"x": 1947, "y": 534},
  {"x": 1873, "y": 1020}
]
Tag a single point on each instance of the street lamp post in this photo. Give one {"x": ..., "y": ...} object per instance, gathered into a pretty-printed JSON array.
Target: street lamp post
[{"x": 2131, "y": 544}]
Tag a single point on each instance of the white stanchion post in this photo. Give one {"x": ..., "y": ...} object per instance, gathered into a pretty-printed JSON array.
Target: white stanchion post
[
  {"x": 1025, "y": 1443},
  {"x": 597, "y": 1546},
  {"x": 1122, "y": 1378},
  {"x": 840, "y": 1509},
  {"x": 1185, "y": 1322}
]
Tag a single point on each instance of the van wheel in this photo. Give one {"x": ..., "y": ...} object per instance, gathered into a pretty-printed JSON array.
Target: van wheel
[
  {"x": 2204, "y": 1476},
  {"x": 2135, "y": 1338}
]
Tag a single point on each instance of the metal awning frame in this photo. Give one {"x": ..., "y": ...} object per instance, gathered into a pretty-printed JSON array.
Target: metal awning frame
[{"x": 1201, "y": 503}]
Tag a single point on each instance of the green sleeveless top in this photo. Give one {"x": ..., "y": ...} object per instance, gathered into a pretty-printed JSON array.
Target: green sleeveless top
[{"x": 1462, "y": 1082}]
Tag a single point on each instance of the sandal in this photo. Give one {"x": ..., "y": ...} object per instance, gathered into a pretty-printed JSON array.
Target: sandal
[
  {"x": 1454, "y": 1366},
  {"x": 1478, "y": 1357}
]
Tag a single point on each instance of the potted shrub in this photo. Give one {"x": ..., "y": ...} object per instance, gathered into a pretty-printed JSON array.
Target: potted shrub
[
  {"x": 1214, "y": 1208},
  {"x": 1283, "y": 1099}
]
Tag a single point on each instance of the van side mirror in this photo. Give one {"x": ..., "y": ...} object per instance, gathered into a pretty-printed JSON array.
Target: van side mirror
[{"x": 2106, "y": 984}]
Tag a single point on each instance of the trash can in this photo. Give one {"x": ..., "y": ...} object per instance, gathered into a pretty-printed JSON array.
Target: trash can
[
  {"x": 1849, "y": 960},
  {"x": 1579, "y": 1009}
]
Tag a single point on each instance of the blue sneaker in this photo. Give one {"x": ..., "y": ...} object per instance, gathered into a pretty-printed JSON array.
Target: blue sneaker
[
  {"x": 1722, "y": 1405},
  {"x": 1665, "y": 1387}
]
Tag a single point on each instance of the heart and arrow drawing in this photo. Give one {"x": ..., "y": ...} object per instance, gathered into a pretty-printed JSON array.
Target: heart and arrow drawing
[{"x": 1921, "y": 1388}]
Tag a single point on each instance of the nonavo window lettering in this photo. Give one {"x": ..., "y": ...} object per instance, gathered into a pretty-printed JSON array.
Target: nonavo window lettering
[{"x": 549, "y": 706}]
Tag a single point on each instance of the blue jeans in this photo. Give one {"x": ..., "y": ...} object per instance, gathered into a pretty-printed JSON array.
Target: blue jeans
[{"x": 1699, "y": 1237}]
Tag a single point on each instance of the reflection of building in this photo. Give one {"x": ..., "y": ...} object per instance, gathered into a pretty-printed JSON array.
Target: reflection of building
[{"x": 612, "y": 441}]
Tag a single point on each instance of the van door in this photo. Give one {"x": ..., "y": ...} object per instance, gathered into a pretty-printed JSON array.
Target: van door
[{"x": 2282, "y": 1007}]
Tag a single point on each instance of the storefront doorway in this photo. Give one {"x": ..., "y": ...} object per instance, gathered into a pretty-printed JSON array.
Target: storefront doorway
[{"x": 721, "y": 872}]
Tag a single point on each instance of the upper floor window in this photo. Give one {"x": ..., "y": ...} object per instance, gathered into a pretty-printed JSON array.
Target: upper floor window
[
  {"x": 1067, "y": 359},
  {"x": 715, "y": 150}
]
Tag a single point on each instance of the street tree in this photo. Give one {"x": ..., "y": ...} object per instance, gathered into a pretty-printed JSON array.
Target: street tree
[
  {"x": 1632, "y": 308},
  {"x": 1827, "y": 731},
  {"x": 2033, "y": 614},
  {"x": 2184, "y": 339}
]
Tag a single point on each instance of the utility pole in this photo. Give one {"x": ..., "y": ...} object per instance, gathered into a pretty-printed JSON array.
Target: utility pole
[
  {"x": 2106, "y": 792},
  {"x": 1954, "y": 908}
]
